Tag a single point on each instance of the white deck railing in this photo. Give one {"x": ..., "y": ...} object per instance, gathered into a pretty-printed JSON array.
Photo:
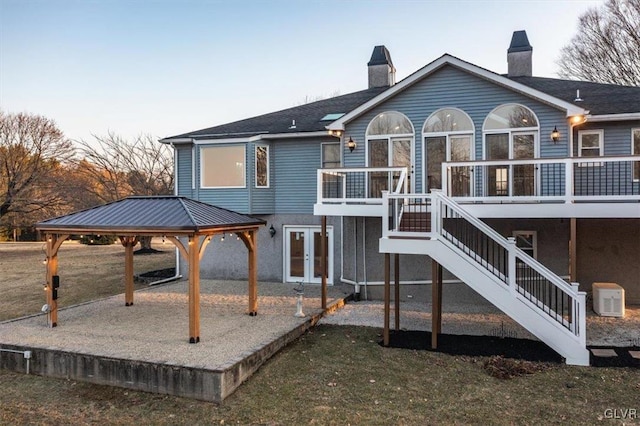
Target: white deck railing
[
  {"x": 527, "y": 279},
  {"x": 565, "y": 180},
  {"x": 363, "y": 185}
]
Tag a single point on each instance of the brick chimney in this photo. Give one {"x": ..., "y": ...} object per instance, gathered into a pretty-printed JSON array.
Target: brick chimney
[
  {"x": 519, "y": 56},
  {"x": 382, "y": 73}
]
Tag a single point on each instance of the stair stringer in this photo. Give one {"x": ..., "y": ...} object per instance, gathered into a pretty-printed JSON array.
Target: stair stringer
[{"x": 496, "y": 292}]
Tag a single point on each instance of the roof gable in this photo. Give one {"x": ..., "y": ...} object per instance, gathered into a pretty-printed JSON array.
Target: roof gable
[{"x": 448, "y": 60}]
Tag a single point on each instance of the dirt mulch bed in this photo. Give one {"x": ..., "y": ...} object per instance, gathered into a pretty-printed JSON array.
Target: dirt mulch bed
[{"x": 506, "y": 348}]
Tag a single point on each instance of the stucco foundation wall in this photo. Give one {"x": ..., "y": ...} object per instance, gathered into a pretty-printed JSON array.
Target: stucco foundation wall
[
  {"x": 552, "y": 235},
  {"x": 415, "y": 270},
  {"x": 228, "y": 259},
  {"x": 608, "y": 250}
]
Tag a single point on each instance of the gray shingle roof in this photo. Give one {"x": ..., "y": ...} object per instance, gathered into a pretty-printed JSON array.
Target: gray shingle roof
[
  {"x": 308, "y": 118},
  {"x": 167, "y": 213},
  {"x": 598, "y": 98}
]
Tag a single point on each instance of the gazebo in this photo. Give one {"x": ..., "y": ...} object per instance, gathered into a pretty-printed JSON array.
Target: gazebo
[{"x": 187, "y": 223}]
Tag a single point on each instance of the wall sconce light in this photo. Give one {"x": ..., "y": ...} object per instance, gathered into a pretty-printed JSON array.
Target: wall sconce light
[
  {"x": 351, "y": 144},
  {"x": 555, "y": 135},
  {"x": 272, "y": 231}
]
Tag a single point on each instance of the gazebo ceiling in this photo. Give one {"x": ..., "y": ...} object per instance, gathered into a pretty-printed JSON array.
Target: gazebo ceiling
[{"x": 151, "y": 215}]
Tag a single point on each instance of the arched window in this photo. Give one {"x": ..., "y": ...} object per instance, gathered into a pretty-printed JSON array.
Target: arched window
[
  {"x": 390, "y": 138},
  {"x": 511, "y": 132},
  {"x": 448, "y": 136},
  {"x": 390, "y": 123}
]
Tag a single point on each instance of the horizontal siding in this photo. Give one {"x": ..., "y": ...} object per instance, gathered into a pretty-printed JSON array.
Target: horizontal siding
[
  {"x": 617, "y": 136},
  {"x": 183, "y": 170},
  {"x": 262, "y": 199},
  {"x": 296, "y": 163},
  {"x": 451, "y": 87}
]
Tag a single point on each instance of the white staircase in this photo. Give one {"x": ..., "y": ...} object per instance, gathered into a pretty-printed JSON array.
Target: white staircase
[{"x": 543, "y": 303}]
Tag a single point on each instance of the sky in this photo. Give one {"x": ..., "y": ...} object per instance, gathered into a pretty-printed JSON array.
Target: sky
[{"x": 163, "y": 67}]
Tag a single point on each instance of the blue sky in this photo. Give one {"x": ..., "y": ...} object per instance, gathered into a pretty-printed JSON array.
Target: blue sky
[{"x": 168, "y": 67}]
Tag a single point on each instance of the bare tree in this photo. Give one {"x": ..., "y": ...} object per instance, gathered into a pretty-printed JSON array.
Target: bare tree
[
  {"x": 33, "y": 152},
  {"x": 116, "y": 168},
  {"x": 607, "y": 46}
]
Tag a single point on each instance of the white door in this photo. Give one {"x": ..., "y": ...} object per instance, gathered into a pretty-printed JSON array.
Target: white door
[{"x": 302, "y": 254}]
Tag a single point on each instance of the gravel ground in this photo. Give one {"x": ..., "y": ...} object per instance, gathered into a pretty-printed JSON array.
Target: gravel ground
[
  {"x": 484, "y": 320},
  {"x": 156, "y": 327}
]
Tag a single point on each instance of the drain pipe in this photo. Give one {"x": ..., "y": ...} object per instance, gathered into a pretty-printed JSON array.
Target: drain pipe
[
  {"x": 177, "y": 276},
  {"x": 355, "y": 257},
  {"x": 364, "y": 256},
  {"x": 25, "y": 354}
]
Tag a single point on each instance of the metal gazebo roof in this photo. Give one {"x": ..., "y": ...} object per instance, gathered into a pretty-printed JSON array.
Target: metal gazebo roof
[
  {"x": 172, "y": 216},
  {"x": 151, "y": 215}
]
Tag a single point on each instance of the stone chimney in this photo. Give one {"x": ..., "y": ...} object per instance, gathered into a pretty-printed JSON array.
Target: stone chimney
[
  {"x": 382, "y": 73},
  {"x": 519, "y": 56}
]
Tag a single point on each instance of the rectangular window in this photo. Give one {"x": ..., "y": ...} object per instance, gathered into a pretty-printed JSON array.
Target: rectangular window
[
  {"x": 262, "y": 166},
  {"x": 222, "y": 166},
  {"x": 330, "y": 155},
  {"x": 527, "y": 242},
  {"x": 590, "y": 143},
  {"x": 635, "y": 150}
]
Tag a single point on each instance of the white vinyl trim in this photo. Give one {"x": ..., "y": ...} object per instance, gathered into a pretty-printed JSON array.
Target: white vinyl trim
[{"x": 447, "y": 59}]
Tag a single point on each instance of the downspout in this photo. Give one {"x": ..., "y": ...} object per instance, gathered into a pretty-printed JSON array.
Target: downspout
[
  {"x": 364, "y": 255},
  {"x": 355, "y": 256},
  {"x": 175, "y": 193}
]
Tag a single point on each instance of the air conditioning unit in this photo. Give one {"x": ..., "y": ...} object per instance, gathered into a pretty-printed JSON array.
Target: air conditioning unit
[{"x": 608, "y": 299}]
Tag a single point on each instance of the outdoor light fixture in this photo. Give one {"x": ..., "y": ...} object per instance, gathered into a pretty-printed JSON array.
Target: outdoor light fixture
[
  {"x": 351, "y": 144},
  {"x": 222, "y": 238},
  {"x": 272, "y": 231},
  {"x": 555, "y": 135}
]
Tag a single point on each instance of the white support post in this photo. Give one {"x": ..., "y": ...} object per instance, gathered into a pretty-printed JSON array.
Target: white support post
[
  {"x": 511, "y": 271},
  {"x": 444, "y": 178},
  {"x": 320, "y": 187},
  {"x": 385, "y": 218},
  {"x": 436, "y": 212},
  {"x": 344, "y": 188},
  {"x": 568, "y": 181}
]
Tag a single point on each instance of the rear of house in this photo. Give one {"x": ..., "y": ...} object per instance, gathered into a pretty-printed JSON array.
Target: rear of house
[{"x": 553, "y": 165}]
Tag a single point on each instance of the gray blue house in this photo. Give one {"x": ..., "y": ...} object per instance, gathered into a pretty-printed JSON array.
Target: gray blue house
[{"x": 530, "y": 183}]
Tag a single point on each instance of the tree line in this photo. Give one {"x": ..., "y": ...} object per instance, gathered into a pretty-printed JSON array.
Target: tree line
[{"x": 43, "y": 174}]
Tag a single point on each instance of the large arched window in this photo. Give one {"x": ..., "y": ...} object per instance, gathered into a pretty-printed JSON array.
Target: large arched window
[
  {"x": 511, "y": 132},
  {"x": 389, "y": 144},
  {"x": 448, "y": 136}
]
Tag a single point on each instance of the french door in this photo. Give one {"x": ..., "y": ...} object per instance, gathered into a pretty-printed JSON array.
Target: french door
[
  {"x": 303, "y": 254},
  {"x": 440, "y": 149},
  {"x": 388, "y": 152},
  {"x": 511, "y": 180}
]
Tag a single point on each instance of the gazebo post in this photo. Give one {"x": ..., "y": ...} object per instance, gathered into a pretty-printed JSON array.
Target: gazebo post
[
  {"x": 194, "y": 289},
  {"x": 128, "y": 243},
  {"x": 53, "y": 244}
]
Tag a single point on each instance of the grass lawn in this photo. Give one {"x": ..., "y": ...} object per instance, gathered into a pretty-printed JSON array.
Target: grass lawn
[{"x": 332, "y": 375}]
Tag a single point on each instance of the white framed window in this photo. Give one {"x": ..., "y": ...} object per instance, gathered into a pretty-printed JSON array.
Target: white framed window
[
  {"x": 390, "y": 143},
  {"x": 330, "y": 155},
  {"x": 527, "y": 241},
  {"x": 635, "y": 150},
  {"x": 590, "y": 143},
  {"x": 448, "y": 135},
  {"x": 261, "y": 166},
  {"x": 222, "y": 166},
  {"x": 511, "y": 132}
]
